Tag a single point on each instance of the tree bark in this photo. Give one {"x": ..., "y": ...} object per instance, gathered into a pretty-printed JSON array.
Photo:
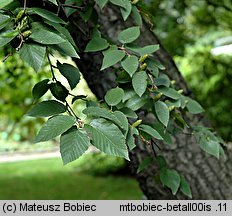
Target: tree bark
[{"x": 208, "y": 177}]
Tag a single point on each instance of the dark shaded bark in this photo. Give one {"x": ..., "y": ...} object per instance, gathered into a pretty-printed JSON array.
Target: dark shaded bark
[{"x": 209, "y": 178}]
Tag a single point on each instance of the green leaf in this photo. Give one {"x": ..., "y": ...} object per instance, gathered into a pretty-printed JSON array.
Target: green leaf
[
  {"x": 128, "y": 93},
  {"x": 101, "y": 3},
  {"x": 40, "y": 89},
  {"x": 69, "y": 11},
  {"x": 144, "y": 164},
  {"x": 139, "y": 82},
  {"x": 129, "y": 35},
  {"x": 73, "y": 143},
  {"x": 171, "y": 179},
  {"x": 65, "y": 33},
  {"x": 164, "y": 133},
  {"x": 47, "y": 108},
  {"x": 114, "y": 96},
  {"x": 130, "y": 140},
  {"x": 66, "y": 49},
  {"x": 126, "y": 11},
  {"x": 121, "y": 121},
  {"x": 152, "y": 68},
  {"x": 33, "y": 54},
  {"x": 53, "y": 2},
  {"x": 149, "y": 49},
  {"x": 121, "y": 3},
  {"x": 108, "y": 138},
  {"x": 7, "y": 36},
  {"x": 123, "y": 77},
  {"x": 115, "y": 117},
  {"x": 193, "y": 106},
  {"x": 59, "y": 91},
  {"x": 162, "y": 81},
  {"x": 169, "y": 92},
  {"x": 98, "y": 112},
  {"x": 136, "y": 16},
  {"x": 87, "y": 13},
  {"x": 162, "y": 112},
  {"x": 136, "y": 102},
  {"x": 159, "y": 65},
  {"x": 151, "y": 131},
  {"x": 130, "y": 64},
  {"x": 96, "y": 33},
  {"x": 112, "y": 57},
  {"x": 184, "y": 187},
  {"x": 5, "y": 3},
  {"x": 179, "y": 120},
  {"x": 96, "y": 44},
  {"x": 208, "y": 145},
  {"x": 54, "y": 127},
  {"x": 175, "y": 103},
  {"x": 161, "y": 162},
  {"x": 129, "y": 112},
  {"x": 44, "y": 35},
  {"x": 71, "y": 73},
  {"x": 46, "y": 15},
  {"x": 4, "y": 20}
]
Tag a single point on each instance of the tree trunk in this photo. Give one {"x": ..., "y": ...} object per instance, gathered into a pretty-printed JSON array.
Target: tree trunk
[{"x": 208, "y": 177}]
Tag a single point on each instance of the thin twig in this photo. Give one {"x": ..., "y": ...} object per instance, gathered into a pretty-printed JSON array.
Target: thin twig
[
  {"x": 153, "y": 149},
  {"x": 6, "y": 57},
  {"x": 154, "y": 143},
  {"x": 152, "y": 81},
  {"x": 50, "y": 63},
  {"x": 123, "y": 49},
  {"x": 71, "y": 112},
  {"x": 21, "y": 42},
  {"x": 72, "y": 6},
  {"x": 17, "y": 48},
  {"x": 54, "y": 66},
  {"x": 25, "y": 5},
  {"x": 58, "y": 10}
]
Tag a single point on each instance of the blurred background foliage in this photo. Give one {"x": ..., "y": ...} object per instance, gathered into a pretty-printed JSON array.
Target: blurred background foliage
[
  {"x": 16, "y": 82},
  {"x": 190, "y": 30}
]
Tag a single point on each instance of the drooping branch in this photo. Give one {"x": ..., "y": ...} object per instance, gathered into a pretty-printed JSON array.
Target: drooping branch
[{"x": 209, "y": 178}]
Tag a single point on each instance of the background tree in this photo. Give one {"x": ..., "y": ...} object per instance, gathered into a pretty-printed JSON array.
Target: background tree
[{"x": 183, "y": 155}]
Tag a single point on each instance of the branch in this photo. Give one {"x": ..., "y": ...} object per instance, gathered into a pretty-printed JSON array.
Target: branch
[{"x": 72, "y": 6}]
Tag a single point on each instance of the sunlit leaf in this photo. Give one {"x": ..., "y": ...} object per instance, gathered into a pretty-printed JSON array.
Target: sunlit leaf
[
  {"x": 139, "y": 82},
  {"x": 130, "y": 64},
  {"x": 129, "y": 35},
  {"x": 114, "y": 96},
  {"x": 112, "y": 57},
  {"x": 73, "y": 143},
  {"x": 108, "y": 138},
  {"x": 54, "y": 127},
  {"x": 151, "y": 131},
  {"x": 162, "y": 112},
  {"x": 33, "y": 54},
  {"x": 47, "y": 108}
]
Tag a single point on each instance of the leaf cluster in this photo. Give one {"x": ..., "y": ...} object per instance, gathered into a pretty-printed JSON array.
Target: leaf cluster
[{"x": 110, "y": 125}]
